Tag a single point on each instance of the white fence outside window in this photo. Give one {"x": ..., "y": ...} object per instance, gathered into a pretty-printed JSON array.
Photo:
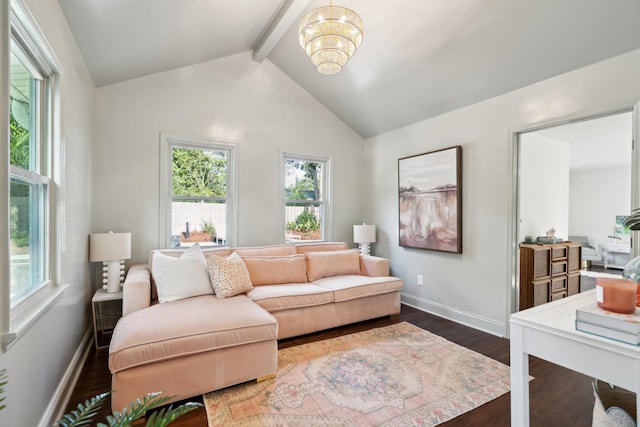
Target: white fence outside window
[{"x": 196, "y": 214}]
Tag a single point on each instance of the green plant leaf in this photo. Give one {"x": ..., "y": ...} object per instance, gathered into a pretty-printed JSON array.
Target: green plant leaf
[
  {"x": 87, "y": 410},
  {"x": 632, "y": 222},
  {"x": 85, "y": 413},
  {"x": 3, "y": 382},
  {"x": 136, "y": 410},
  {"x": 165, "y": 416}
]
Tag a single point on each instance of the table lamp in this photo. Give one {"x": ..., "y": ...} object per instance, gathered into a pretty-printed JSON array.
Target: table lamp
[
  {"x": 111, "y": 249},
  {"x": 364, "y": 235}
]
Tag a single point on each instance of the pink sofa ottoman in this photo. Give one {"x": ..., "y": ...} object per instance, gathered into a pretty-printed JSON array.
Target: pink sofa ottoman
[{"x": 216, "y": 350}]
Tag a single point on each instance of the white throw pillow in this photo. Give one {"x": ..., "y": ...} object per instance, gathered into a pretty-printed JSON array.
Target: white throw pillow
[{"x": 180, "y": 278}]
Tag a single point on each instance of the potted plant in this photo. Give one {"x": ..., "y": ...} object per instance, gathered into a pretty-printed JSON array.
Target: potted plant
[
  {"x": 210, "y": 229},
  {"x": 87, "y": 410}
]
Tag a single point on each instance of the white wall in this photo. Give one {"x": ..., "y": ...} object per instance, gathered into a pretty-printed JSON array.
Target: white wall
[
  {"x": 544, "y": 186},
  {"x": 234, "y": 100},
  {"x": 37, "y": 362},
  {"x": 474, "y": 287},
  {"x": 597, "y": 196}
]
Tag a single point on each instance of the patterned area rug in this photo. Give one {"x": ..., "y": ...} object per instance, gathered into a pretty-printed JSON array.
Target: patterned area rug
[{"x": 398, "y": 375}]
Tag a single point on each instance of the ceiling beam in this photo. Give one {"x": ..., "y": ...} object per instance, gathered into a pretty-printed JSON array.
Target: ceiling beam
[{"x": 286, "y": 16}]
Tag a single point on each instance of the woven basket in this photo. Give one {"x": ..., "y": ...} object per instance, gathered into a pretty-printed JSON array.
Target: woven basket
[{"x": 614, "y": 406}]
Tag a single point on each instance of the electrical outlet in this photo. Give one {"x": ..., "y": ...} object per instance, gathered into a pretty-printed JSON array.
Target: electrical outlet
[{"x": 419, "y": 279}]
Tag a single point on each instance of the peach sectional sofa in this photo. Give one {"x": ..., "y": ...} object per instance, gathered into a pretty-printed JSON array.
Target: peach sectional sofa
[{"x": 209, "y": 339}]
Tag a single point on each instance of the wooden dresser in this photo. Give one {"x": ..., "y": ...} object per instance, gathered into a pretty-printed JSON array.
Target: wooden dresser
[{"x": 548, "y": 272}]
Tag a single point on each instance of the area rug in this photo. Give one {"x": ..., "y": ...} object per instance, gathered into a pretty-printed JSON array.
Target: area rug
[{"x": 398, "y": 375}]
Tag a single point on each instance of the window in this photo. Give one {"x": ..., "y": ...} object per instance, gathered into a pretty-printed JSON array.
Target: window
[
  {"x": 29, "y": 183},
  {"x": 306, "y": 202},
  {"x": 198, "y": 192},
  {"x": 28, "y": 287}
]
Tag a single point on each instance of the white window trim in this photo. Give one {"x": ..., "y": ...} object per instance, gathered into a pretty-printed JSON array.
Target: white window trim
[
  {"x": 17, "y": 21},
  {"x": 166, "y": 142},
  {"x": 328, "y": 197}
]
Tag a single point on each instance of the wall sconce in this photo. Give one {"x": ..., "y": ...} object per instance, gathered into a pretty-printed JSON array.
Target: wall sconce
[
  {"x": 111, "y": 249},
  {"x": 364, "y": 235}
]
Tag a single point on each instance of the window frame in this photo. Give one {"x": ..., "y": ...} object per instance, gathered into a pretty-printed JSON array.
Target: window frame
[
  {"x": 22, "y": 36},
  {"x": 167, "y": 142},
  {"x": 326, "y": 202},
  {"x": 37, "y": 173}
]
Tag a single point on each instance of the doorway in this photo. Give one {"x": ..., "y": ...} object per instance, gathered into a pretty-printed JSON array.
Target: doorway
[{"x": 571, "y": 181}]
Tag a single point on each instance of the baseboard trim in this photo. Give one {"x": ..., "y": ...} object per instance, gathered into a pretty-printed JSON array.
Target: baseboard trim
[
  {"x": 61, "y": 396},
  {"x": 468, "y": 319}
]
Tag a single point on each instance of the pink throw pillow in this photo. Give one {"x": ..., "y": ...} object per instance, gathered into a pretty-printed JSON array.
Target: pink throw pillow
[
  {"x": 274, "y": 270},
  {"x": 334, "y": 263}
]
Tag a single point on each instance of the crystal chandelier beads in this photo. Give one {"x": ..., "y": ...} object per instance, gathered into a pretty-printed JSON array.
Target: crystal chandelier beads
[{"x": 330, "y": 36}]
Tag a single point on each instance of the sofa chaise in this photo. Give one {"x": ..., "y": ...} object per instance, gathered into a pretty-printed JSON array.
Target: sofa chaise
[{"x": 188, "y": 345}]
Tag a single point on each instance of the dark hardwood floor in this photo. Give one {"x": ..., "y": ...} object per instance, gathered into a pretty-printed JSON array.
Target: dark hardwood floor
[{"x": 558, "y": 396}]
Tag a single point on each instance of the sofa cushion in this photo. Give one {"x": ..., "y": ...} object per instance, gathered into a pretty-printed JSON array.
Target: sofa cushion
[
  {"x": 183, "y": 277},
  {"x": 283, "y": 297},
  {"x": 176, "y": 253},
  {"x": 272, "y": 270},
  {"x": 205, "y": 323},
  {"x": 273, "y": 250},
  {"x": 347, "y": 288},
  {"x": 303, "y": 248},
  {"x": 333, "y": 263},
  {"x": 229, "y": 276}
]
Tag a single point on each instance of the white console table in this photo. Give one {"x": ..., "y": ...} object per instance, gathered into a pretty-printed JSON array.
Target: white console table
[
  {"x": 548, "y": 331},
  {"x": 616, "y": 255}
]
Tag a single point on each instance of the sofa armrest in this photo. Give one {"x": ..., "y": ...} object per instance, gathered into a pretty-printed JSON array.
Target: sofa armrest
[
  {"x": 136, "y": 291},
  {"x": 374, "y": 266}
]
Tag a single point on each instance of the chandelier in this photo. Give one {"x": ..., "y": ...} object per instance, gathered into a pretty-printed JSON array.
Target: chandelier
[{"x": 330, "y": 35}]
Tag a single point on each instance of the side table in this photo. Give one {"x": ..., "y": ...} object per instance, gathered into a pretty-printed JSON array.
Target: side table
[
  {"x": 616, "y": 255},
  {"x": 107, "y": 309},
  {"x": 548, "y": 331}
]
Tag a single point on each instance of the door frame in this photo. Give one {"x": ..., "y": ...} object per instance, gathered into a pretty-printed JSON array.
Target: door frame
[{"x": 513, "y": 263}]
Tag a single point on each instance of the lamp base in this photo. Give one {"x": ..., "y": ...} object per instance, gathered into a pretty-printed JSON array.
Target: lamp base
[
  {"x": 365, "y": 249},
  {"x": 112, "y": 275}
]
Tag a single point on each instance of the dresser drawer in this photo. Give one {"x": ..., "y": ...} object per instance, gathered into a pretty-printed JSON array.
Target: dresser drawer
[
  {"x": 558, "y": 267},
  {"x": 558, "y": 295},
  {"x": 573, "y": 284},
  {"x": 540, "y": 291},
  {"x": 558, "y": 252},
  {"x": 558, "y": 284}
]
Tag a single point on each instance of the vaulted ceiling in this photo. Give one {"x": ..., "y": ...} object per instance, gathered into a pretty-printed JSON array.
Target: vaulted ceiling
[{"x": 419, "y": 58}]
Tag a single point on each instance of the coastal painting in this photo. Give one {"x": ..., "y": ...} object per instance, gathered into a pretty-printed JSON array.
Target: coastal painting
[{"x": 430, "y": 200}]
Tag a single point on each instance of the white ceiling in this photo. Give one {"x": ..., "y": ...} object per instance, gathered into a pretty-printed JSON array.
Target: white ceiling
[
  {"x": 419, "y": 58},
  {"x": 603, "y": 142}
]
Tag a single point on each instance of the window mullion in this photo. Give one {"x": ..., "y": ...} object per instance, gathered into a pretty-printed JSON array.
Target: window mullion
[{"x": 28, "y": 176}]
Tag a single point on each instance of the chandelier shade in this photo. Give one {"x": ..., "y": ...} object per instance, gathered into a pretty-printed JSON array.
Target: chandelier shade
[{"x": 330, "y": 36}]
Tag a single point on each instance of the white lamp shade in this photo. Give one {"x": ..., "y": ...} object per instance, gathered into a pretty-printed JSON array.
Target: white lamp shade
[
  {"x": 364, "y": 233},
  {"x": 109, "y": 246}
]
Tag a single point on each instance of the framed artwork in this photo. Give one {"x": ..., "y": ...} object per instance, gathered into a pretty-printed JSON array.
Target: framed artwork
[{"x": 430, "y": 200}]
